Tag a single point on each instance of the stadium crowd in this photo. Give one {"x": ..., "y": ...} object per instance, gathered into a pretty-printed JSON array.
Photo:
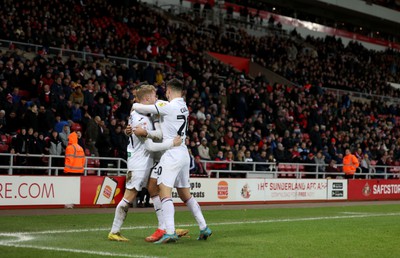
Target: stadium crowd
[{"x": 232, "y": 117}]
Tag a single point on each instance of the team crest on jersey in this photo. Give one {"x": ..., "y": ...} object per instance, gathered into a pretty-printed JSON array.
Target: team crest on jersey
[{"x": 161, "y": 104}]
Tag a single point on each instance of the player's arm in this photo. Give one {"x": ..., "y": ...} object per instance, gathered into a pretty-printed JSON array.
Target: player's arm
[
  {"x": 155, "y": 135},
  {"x": 162, "y": 146},
  {"x": 160, "y": 108}
]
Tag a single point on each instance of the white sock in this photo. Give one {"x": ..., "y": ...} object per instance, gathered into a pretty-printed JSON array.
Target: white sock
[
  {"x": 120, "y": 214},
  {"x": 158, "y": 209},
  {"x": 168, "y": 213},
  {"x": 194, "y": 207}
]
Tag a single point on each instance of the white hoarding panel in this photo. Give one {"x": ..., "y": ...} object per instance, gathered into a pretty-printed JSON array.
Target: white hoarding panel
[
  {"x": 295, "y": 189},
  {"x": 37, "y": 190}
]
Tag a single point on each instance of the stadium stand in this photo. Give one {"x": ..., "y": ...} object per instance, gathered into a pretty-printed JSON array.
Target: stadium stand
[{"x": 40, "y": 90}]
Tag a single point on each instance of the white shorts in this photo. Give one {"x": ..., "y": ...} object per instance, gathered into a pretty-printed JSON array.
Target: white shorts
[
  {"x": 137, "y": 179},
  {"x": 173, "y": 170},
  {"x": 155, "y": 170},
  {"x": 138, "y": 173}
]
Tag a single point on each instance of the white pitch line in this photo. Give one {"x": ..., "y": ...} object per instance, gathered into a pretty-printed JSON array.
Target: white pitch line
[
  {"x": 76, "y": 251},
  {"x": 353, "y": 213}
]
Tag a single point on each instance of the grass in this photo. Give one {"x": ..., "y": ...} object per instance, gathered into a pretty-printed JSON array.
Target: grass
[{"x": 345, "y": 231}]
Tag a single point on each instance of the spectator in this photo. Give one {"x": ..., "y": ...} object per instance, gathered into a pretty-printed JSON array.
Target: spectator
[
  {"x": 332, "y": 168},
  {"x": 320, "y": 161},
  {"x": 310, "y": 166},
  {"x": 77, "y": 95},
  {"x": 76, "y": 113},
  {"x": 31, "y": 118},
  {"x": 198, "y": 168},
  {"x": 204, "y": 151},
  {"x": 55, "y": 147},
  {"x": 47, "y": 98},
  {"x": 64, "y": 135},
  {"x": 263, "y": 159},
  {"x": 3, "y": 121},
  {"x": 74, "y": 156},
  {"x": 100, "y": 109},
  {"x": 213, "y": 149},
  {"x": 119, "y": 142},
  {"x": 220, "y": 166},
  {"x": 46, "y": 120},
  {"x": 272, "y": 166},
  {"x": 365, "y": 164},
  {"x": 92, "y": 133},
  {"x": 20, "y": 146},
  {"x": 103, "y": 144},
  {"x": 350, "y": 164}
]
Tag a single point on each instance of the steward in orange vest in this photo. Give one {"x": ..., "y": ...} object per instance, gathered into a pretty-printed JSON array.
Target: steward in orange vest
[
  {"x": 350, "y": 164},
  {"x": 74, "y": 155}
]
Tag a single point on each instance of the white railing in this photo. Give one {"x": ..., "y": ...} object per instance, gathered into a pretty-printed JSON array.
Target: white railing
[
  {"x": 11, "y": 164},
  {"x": 290, "y": 170}
]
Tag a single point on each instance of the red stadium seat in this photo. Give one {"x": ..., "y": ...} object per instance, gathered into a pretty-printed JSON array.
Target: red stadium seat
[
  {"x": 282, "y": 168},
  {"x": 4, "y": 138},
  {"x": 3, "y": 148}
]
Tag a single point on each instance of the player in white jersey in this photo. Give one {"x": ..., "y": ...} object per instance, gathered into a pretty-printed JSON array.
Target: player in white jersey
[
  {"x": 140, "y": 161},
  {"x": 157, "y": 148},
  {"x": 174, "y": 163}
]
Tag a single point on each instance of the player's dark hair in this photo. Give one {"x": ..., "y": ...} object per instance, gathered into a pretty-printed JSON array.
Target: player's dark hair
[{"x": 176, "y": 85}]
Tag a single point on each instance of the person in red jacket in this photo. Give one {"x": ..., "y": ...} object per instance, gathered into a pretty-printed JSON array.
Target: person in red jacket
[
  {"x": 74, "y": 156},
  {"x": 220, "y": 166}
]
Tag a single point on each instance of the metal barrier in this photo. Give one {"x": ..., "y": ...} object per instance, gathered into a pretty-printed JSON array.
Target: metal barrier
[
  {"x": 292, "y": 170},
  {"x": 117, "y": 166},
  {"x": 9, "y": 165}
]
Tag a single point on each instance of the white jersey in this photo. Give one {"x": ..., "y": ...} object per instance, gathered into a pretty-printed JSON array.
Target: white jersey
[
  {"x": 173, "y": 169},
  {"x": 136, "y": 150},
  {"x": 156, "y": 119},
  {"x": 174, "y": 119}
]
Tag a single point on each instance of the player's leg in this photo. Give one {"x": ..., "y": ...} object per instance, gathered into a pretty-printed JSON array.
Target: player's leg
[
  {"x": 121, "y": 212},
  {"x": 155, "y": 197},
  {"x": 169, "y": 168},
  {"x": 183, "y": 187},
  {"x": 168, "y": 213},
  {"x": 154, "y": 193},
  {"x": 133, "y": 184},
  {"x": 194, "y": 207}
]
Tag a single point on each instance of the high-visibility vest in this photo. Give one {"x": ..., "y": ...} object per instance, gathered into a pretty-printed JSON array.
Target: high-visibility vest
[
  {"x": 350, "y": 164},
  {"x": 74, "y": 155}
]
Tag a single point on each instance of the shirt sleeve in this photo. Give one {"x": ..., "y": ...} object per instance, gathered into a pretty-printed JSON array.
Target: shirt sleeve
[
  {"x": 155, "y": 134},
  {"x": 162, "y": 146},
  {"x": 145, "y": 109},
  {"x": 163, "y": 107}
]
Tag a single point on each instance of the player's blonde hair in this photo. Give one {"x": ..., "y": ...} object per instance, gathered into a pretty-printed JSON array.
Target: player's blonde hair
[{"x": 143, "y": 90}]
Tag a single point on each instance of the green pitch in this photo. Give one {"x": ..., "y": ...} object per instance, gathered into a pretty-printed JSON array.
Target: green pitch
[{"x": 348, "y": 231}]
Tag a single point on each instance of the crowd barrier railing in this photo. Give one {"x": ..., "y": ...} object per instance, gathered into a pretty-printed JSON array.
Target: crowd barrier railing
[
  {"x": 53, "y": 165},
  {"x": 242, "y": 169}
]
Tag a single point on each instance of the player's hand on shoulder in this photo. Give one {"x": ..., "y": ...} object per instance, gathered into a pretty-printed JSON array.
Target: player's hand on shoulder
[
  {"x": 177, "y": 141},
  {"x": 139, "y": 131}
]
